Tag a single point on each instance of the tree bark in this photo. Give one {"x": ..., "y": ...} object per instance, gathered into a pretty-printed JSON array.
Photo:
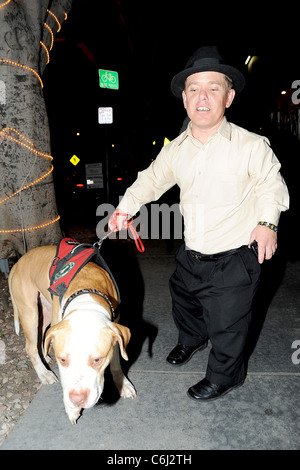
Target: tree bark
[{"x": 26, "y": 203}]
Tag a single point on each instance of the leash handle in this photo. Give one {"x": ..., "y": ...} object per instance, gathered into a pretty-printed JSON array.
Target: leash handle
[
  {"x": 138, "y": 242},
  {"x": 127, "y": 225}
]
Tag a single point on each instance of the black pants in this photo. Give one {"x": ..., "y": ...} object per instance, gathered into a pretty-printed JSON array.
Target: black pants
[{"x": 212, "y": 299}]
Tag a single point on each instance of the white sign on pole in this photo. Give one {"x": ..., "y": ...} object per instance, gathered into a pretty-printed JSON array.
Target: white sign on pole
[
  {"x": 94, "y": 175},
  {"x": 105, "y": 115}
]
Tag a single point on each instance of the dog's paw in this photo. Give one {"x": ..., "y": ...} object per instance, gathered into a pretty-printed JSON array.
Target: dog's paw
[
  {"x": 127, "y": 390},
  {"x": 47, "y": 377},
  {"x": 73, "y": 414},
  {"x": 124, "y": 386}
]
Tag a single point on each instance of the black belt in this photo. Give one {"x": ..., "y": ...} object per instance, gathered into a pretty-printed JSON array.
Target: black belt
[{"x": 215, "y": 257}]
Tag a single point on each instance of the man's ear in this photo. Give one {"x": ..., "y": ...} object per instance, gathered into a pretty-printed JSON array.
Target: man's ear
[
  {"x": 184, "y": 98},
  {"x": 230, "y": 98}
]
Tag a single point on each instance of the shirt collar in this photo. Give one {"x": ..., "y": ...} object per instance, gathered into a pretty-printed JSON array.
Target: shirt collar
[{"x": 224, "y": 130}]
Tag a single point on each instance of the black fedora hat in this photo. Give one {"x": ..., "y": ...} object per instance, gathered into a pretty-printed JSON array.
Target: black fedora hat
[{"x": 206, "y": 59}]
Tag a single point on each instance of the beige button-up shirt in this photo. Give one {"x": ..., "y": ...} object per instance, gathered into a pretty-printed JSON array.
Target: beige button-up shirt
[{"x": 226, "y": 186}]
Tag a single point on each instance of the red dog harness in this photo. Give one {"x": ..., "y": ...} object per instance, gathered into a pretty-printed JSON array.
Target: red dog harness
[{"x": 70, "y": 258}]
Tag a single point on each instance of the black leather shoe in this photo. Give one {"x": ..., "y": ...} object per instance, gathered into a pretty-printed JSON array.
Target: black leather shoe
[
  {"x": 205, "y": 390},
  {"x": 181, "y": 354}
]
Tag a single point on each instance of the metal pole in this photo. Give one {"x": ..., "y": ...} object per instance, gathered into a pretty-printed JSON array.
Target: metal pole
[{"x": 106, "y": 162}]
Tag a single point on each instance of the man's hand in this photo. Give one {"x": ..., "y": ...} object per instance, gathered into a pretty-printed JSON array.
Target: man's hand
[
  {"x": 118, "y": 221},
  {"x": 266, "y": 241}
]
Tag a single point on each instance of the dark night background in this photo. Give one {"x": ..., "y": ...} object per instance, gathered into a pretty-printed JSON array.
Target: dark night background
[{"x": 147, "y": 43}]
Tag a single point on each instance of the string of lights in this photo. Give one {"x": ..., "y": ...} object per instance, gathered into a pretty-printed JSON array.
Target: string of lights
[
  {"x": 5, "y": 3},
  {"x": 26, "y": 67},
  {"x": 16, "y": 230},
  {"x": 25, "y": 142},
  {"x": 51, "y": 34},
  {"x": 47, "y": 52},
  {"x": 16, "y": 136},
  {"x": 56, "y": 19},
  {"x": 22, "y": 140},
  {"x": 28, "y": 185},
  {"x": 21, "y": 66}
]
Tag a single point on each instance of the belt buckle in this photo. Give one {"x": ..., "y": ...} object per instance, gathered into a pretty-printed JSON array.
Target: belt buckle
[{"x": 199, "y": 257}]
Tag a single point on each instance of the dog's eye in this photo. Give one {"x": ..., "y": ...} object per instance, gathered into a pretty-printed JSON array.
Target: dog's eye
[
  {"x": 64, "y": 361},
  {"x": 97, "y": 361}
]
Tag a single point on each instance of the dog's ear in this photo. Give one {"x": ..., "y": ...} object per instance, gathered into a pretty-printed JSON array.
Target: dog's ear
[
  {"x": 52, "y": 332},
  {"x": 48, "y": 339},
  {"x": 122, "y": 335}
]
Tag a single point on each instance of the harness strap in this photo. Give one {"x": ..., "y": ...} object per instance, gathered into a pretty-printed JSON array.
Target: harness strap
[
  {"x": 71, "y": 256},
  {"x": 89, "y": 291}
]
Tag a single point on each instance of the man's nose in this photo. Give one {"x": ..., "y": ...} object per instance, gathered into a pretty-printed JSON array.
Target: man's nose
[{"x": 202, "y": 95}]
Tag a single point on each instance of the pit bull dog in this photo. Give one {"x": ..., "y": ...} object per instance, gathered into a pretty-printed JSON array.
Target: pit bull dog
[{"x": 84, "y": 337}]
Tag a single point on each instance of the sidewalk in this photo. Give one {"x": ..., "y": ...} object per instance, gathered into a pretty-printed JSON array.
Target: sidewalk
[{"x": 263, "y": 414}]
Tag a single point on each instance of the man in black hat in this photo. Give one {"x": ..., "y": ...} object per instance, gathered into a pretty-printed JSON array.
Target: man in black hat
[{"x": 231, "y": 195}]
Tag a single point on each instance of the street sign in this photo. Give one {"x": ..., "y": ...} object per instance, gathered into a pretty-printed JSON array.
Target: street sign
[
  {"x": 105, "y": 115},
  {"x": 74, "y": 160},
  {"x": 109, "y": 79},
  {"x": 94, "y": 175}
]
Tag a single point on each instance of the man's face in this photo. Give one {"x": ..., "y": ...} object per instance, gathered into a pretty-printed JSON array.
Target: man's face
[{"x": 205, "y": 98}]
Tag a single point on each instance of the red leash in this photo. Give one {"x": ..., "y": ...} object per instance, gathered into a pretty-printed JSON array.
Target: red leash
[
  {"x": 138, "y": 242},
  {"x": 128, "y": 225}
]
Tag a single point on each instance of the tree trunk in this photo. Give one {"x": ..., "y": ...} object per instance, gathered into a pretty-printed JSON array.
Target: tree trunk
[{"x": 28, "y": 212}]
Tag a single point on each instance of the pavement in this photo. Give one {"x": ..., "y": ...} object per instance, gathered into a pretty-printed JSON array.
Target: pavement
[{"x": 263, "y": 414}]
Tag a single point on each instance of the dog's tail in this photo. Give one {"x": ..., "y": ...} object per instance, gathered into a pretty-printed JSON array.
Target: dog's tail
[{"x": 16, "y": 314}]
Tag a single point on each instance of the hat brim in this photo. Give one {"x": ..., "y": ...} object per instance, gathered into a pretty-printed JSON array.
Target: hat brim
[{"x": 238, "y": 79}]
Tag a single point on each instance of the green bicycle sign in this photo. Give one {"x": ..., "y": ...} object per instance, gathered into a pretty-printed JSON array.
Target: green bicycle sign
[{"x": 109, "y": 79}]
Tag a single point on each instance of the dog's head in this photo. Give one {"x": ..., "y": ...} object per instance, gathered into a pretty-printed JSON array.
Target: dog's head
[{"x": 83, "y": 344}]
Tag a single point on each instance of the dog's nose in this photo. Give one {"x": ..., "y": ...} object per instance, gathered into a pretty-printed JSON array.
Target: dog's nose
[{"x": 78, "y": 398}]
